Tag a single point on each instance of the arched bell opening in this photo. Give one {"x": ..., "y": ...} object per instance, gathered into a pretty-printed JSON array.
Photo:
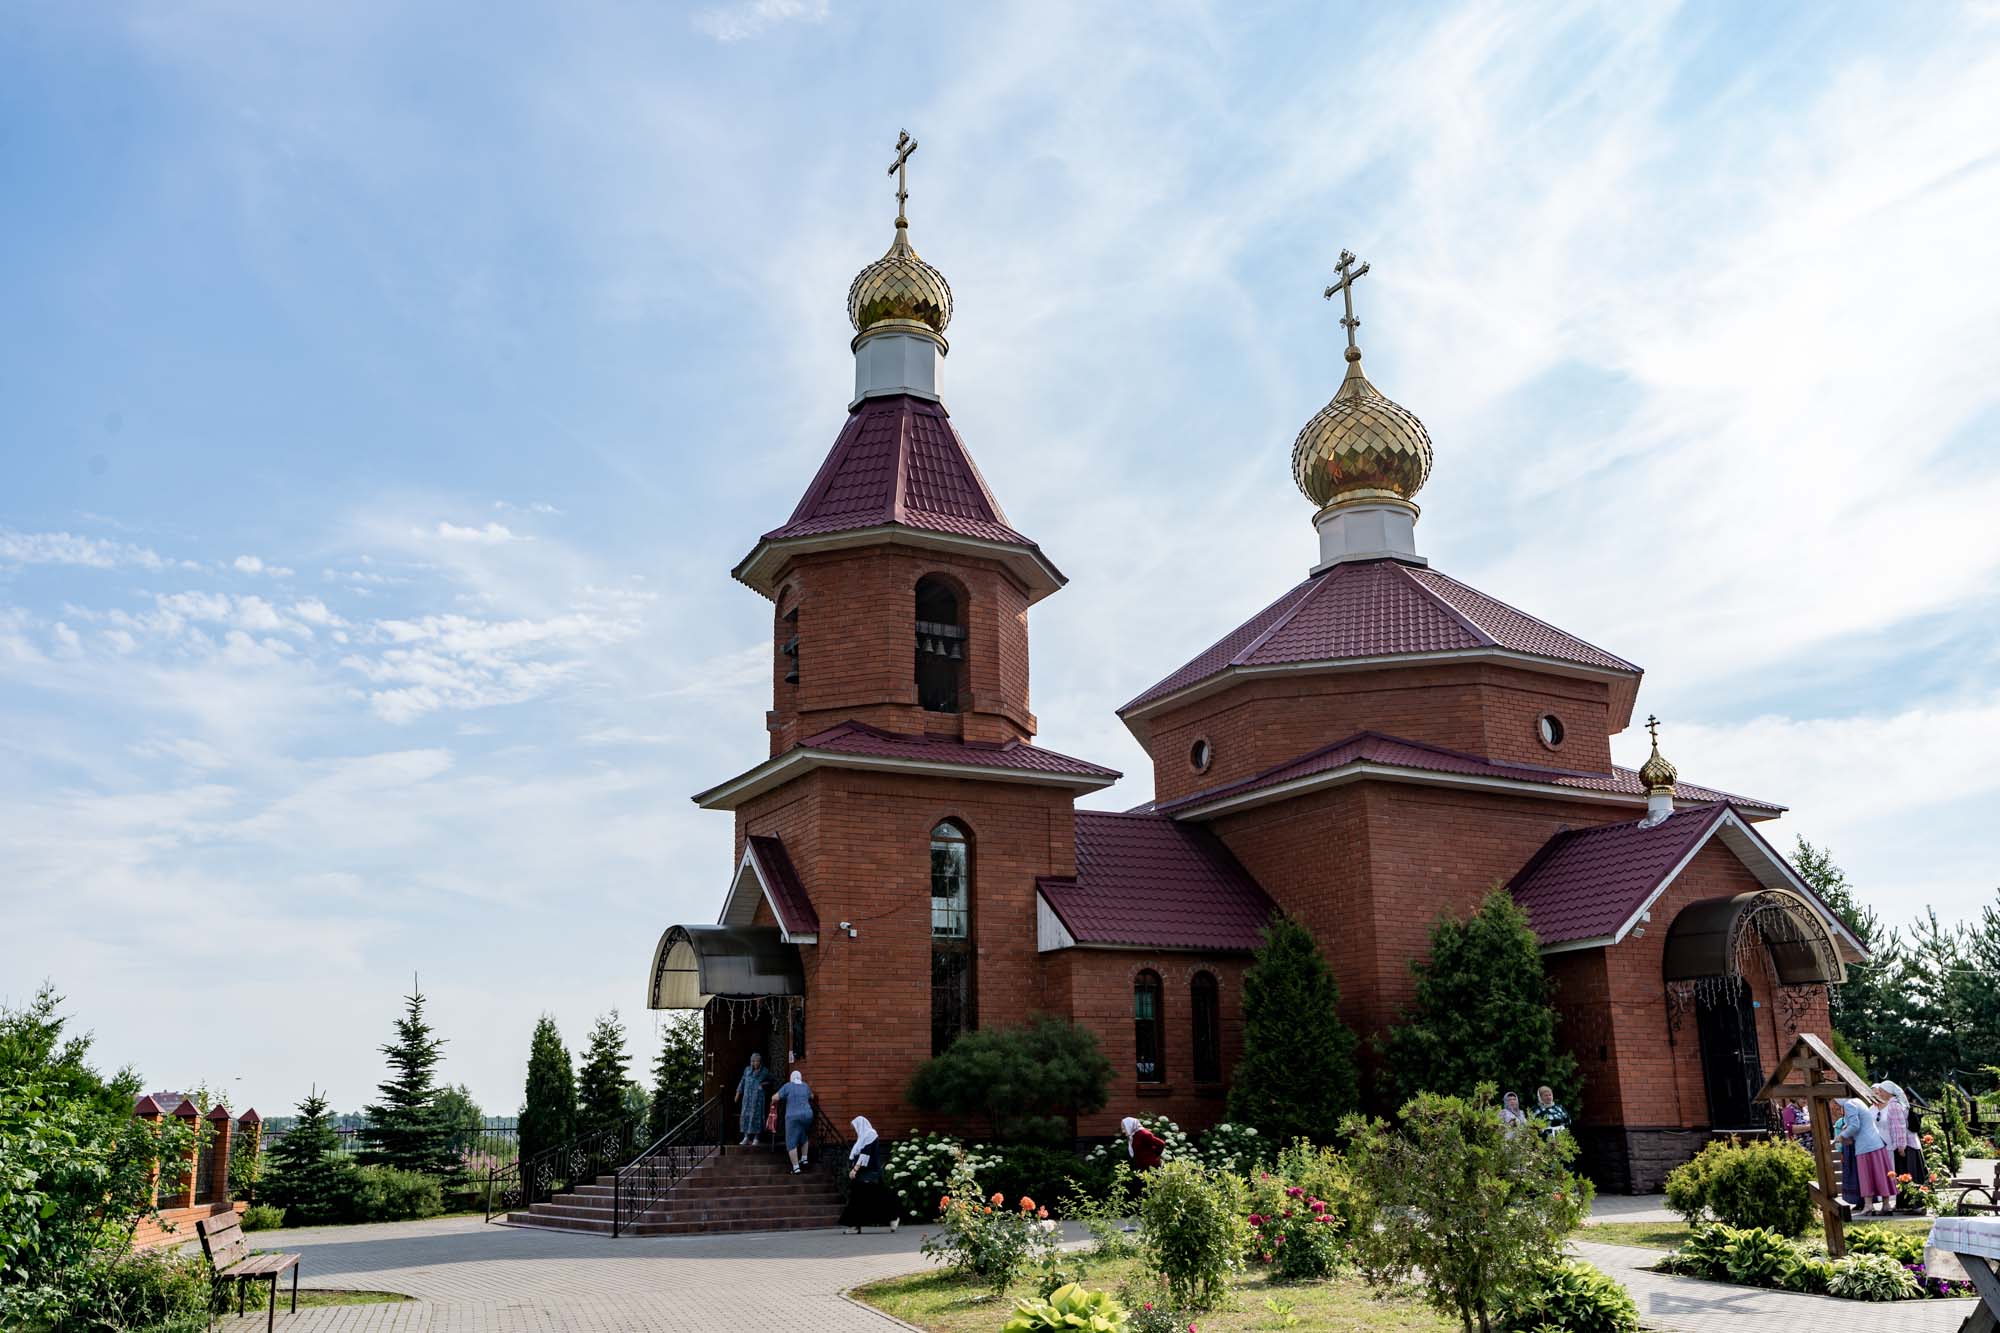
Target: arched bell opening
[{"x": 1713, "y": 949}]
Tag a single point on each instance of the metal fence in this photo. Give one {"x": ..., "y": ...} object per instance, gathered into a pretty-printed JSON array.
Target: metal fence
[{"x": 498, "y": 1141}]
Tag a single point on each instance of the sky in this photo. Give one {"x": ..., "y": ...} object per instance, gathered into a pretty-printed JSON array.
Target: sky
[{"x": 386, "y": 392}]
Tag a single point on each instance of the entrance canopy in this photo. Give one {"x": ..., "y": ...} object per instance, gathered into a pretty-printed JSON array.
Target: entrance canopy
[
  {"x": 1707, "y": 939},
  {"x": 695, "y": 964}
]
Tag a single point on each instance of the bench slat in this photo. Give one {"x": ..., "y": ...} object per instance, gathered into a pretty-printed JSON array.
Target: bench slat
[{"x": 260, "y": 1265}]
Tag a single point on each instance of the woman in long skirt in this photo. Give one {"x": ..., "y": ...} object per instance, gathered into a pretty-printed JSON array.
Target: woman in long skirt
[
  {"x": 870, "y": 1202},
  {"x": 1871, "y": 1157},
  {"x": 750, "y": 1096}
]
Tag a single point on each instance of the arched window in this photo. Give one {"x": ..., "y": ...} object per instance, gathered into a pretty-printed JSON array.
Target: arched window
[
  {"x": 951, "y": 935},
  {"x": 1149, "y": 1027},
  {"x": 940, "y": 645},
  {"x": 1205, "y": 1006}
]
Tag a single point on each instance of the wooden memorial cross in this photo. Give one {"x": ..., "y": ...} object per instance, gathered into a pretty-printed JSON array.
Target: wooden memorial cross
[{"x": 1827, "y": 1079}]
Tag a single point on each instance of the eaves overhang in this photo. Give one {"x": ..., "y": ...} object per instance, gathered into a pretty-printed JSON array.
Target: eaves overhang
[
  {"x": 800, "y": 760},
  {"x": 761, "y": 568}
]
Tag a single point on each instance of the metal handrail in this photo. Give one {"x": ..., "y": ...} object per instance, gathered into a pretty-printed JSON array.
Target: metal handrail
[
  {"x": 535, "y": 1179},
  {"x": 641, "y": 1184},
  {"x": 828, "y": 1135}
]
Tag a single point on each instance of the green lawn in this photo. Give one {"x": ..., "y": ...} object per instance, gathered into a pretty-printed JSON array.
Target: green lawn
[
  {"x": 1669, "y": 1235},
  {"x": 258, "y": 1298},
  {"x": 942, "y": 1303}
]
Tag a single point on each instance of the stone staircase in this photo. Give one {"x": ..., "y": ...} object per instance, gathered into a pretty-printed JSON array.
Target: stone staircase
[{"x": 736, "y": 1189}]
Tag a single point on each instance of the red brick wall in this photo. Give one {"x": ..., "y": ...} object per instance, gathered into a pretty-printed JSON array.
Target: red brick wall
[
  {"x": 174, "y": 1227},
  {"x": 857, "y": 647},
  {"x": 1477, "y": 709}
]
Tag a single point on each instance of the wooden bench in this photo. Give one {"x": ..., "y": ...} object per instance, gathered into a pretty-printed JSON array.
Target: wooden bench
[{"x": 228, "y": 1253}]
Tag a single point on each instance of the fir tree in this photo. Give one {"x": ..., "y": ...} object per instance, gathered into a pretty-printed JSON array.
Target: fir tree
[
  {"x": 600, "y": 1085},
  {"x": 676, "y": 1074},
  {"x": 308, "y": 1177},
  {"x": 1482, "y": 1013},
  {"x": 408, "y": 1129},
  {"x": 1296, "y": 1078},
  {"x": 548, "y": 1106}
]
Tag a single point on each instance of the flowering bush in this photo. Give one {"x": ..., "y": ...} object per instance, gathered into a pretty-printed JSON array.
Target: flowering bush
[
  {"x": 1237, "y": 1149},
  {"x": 918, "y": 1167},
  {"x": 1192, "y": 1231},
  {"x": 1916, "y": 1196},
  {"x": 1149, "y": 1310},
  {"x": 986, "y": 1237},
  {"x": 1299, "y": 1237}
]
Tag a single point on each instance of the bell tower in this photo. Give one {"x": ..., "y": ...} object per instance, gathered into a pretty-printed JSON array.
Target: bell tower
[{"x": 899, "y": 590}]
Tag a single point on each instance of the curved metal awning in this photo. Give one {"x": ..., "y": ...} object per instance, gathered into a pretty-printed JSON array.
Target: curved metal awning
[
  {"x": 1707, "y": 939},
  {"x": 695, "y": 964}
]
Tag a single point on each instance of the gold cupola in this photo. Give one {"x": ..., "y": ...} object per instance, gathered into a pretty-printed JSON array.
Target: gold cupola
[
  {"x": 1362, "y": 458},
  {"x": 899, "y": 290},
  {"x": 1657, "y": 774}
]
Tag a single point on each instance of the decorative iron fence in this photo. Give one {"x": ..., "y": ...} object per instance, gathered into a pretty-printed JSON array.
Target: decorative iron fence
[
  {"x": 644, "y": 1183},
  {"x": 499, "y": 1140},
  {"x": 523, "y": 1183}
]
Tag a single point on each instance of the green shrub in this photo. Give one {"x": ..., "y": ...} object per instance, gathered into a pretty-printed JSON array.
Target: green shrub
[
  {"x": 1705, "y": 1253},
  {"x": 1237, "y": 1149},
  {"x": 1871, "y": 1277},
  {"x": 1103, "y": 1214},
  {"x": 1025, "y": 1081},
  {"x": 1756, "y": 1185},
  {"x": 390, "y": 1195},
  {"x": 263, "y": 1217},
  {"x": 1760, "y": 1257},
  {"x": 1905, "y": 1247},
  {"x": 1192, "y": 1231},
  {"x": 1572, "y": 1296},
  {"x": 1149, "y": 1311},
  {"x": 991, "y": 1238},
  {"x": 1069, "y": 1307},
  {"x": 1048, "y": 1174},
  {"x": 154, "y": 1290},
  {"x": 1814, "y": 1275}
]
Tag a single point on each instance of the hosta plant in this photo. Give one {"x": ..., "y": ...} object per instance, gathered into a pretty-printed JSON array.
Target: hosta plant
[
  {"x": 1069, "y": 1307},
  {"x": 1871, "y": 1277},
  {"x": 1760, "y": 1257},
  {"x": 1570, "y": 1295}
]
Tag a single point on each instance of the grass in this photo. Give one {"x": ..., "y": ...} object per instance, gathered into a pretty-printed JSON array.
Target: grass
[
  {"x": 257, "y": 1298},
  {"x": 1669, "y": 1235},
  {"x": 943, "y": 1303}
]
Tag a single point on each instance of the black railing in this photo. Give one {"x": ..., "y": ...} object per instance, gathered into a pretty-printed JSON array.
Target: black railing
[
  {"x": 644, "y": 1183},
  {"x": 527, "y": 1181},
  {"x": 830, "y": 1146}
]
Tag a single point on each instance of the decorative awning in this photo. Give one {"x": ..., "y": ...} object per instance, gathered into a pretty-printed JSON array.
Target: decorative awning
[
  {"x": 695, "y": 964},
  {"x": 1708, "y": 938}
]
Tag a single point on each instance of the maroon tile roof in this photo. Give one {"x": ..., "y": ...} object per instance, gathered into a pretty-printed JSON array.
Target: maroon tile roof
[
  {"x": 1586, "y": 883},
  {"x": 1379, "y": 608},
  {"x": 898, "y": 460},
  {"x": 789, "y": 899},
  {"x": 1146, "y": 881},
  {"x": 858, "y": 738},
  {"x": 1372, "y": 747}
]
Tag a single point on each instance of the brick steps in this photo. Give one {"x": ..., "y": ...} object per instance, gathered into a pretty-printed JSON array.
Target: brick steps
[{"x": 734, "y": 1190}]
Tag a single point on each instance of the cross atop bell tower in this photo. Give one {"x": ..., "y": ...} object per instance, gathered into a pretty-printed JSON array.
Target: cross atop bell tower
[
  {"x": 900, "y": 169},
  {"x": 1345, "y": 286}
]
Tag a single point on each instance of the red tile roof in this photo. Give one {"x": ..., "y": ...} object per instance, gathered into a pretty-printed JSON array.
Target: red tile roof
[
  {"x": 789, "y": 899},
  {"x": 1587, "y": 883},
  {"x": 858, "y": 738},
  {"x": 1379, "y": 608},
  {"x": 1372, "y": 747},
  {"x": 1146, "y": 881},
  {"x": 898, "y": 460}
]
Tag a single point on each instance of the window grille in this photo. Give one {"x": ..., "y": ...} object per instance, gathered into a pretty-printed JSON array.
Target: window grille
[
  {"x": 952, "y": 1010},
  {"x": 1149, "y": 1028}
]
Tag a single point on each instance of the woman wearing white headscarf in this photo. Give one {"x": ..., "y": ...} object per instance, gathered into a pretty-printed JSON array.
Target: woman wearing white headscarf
[
  {"x": 1871, "y": 1155},
  {"x": 794, "y": 1102},
  {"x": 870, "y": 1203},
  {"x": 1142, "y": 1145},
  {"x": 1894, "y": 1121}
]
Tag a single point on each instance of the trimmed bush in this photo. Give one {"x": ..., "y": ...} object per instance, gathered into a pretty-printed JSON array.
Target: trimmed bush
[
  {"x": 1572, "y": 1296},
  {"x": 263, "y": 1217},
  {"x": 1871, "y": 1277},
  {"x": 389, "y": 1195},
  {"x": 1756, "y": 1185},
  {"x": 1192, "y": 1231}
]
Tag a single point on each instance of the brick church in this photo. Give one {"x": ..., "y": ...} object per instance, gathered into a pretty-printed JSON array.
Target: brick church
[{"x": 1379, "y": 744}]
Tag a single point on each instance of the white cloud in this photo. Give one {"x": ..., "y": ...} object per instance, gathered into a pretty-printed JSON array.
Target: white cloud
[
  {"x": 64, "y": 548},
  {"x": 250, "y": 564},
  {"x": 745, "y": 19},
  {"x": 490, "y": 535}
]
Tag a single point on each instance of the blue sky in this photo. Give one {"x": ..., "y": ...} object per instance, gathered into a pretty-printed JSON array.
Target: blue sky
[{"x": 386, "y": 391}]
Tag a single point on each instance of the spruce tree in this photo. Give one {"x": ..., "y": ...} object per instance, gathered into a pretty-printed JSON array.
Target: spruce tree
[
  {"x": 408, "y": 1129},
  {"x": 548, "y": 1106},
  {"x": 1482, "y": 1013},
  {"x": 307, "y": 1176},
  {"x": 600, "y": 1085},
  {"x": 1296, "y": 1078},
  {"x": 1866, "y": 1007},
  {"x": 676, "y": 1074}
]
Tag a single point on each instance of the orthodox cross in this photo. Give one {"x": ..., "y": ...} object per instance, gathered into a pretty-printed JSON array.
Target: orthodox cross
[
  {"x": 900, "y": 169},
  {"x": 1346, "y": 289},
  {"x": 1653, "y": 729}
]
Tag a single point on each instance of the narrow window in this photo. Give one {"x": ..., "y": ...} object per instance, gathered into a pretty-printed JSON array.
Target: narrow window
[
  {"x": 1149, "y": 1028},
  {"x": 1205, "y": 1005},
  {"x": 951, "y": 936},
  {"x": 788, "y": 632},
  {"x": 940, "y": 646}
]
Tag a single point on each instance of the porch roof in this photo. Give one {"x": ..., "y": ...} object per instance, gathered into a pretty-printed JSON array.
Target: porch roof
[{"x": 694, "y": 964}]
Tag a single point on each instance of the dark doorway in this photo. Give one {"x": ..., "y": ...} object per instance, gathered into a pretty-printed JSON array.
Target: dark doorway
[
  {"x": 730, "y": 1037},
  {"x": 1726, "y": 1018}
]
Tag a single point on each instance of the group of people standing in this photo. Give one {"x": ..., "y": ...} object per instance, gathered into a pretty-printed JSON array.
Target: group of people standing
[
  {"x": 1875, "y": 1146},
  {"x": 761, "y": 1111},
  {"x": 1548, "y": 1116}
]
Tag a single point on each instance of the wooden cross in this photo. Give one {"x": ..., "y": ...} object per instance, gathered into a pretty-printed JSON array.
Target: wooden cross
[
  {"x": 900, "y": 169},
  {"x": 1346, "y": 289}
]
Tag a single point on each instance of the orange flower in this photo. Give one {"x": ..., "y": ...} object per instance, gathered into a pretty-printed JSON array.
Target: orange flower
[
  {"x": 944, "y": 1203},
  {"x": 997, "y": 1199},
  {"x": 1905, "y": 1177},
  {"x": 988, "y": 1211},
  {"x": 1042, "y": 1213},
  {"x": 1027, "y": 1204}
]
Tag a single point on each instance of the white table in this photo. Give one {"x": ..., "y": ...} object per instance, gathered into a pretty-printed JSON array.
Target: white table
[{"x": 1975, "y": 1241}]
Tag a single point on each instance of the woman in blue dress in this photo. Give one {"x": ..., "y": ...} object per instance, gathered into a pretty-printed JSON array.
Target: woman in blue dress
[
  {"x": 795, "y": 1113},
  {"x": 750, "y": 1096}
]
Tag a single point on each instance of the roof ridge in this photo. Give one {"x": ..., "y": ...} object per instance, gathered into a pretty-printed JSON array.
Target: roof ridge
[
  {"x": 1551, "y": 628},
  {"x": 828, "y": 466},
  {"x": 972, "y": 466},
  {"x": 1316, "y": 584},
  {"x": 1476, "y": 630},
  {"x": 899, "y": 481}
]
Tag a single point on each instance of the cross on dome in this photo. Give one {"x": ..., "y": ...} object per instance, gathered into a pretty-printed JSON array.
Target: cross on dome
[
  {"x": 1345, "y": 286},
  {"x": 900, "y": 291},
  {"x": 900, "y": 169}
]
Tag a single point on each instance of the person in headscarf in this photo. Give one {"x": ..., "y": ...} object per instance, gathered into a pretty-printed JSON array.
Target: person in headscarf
[
  {"x": 751, "y": 1089},
  {"x": 1554, "y": 1119},
  {"x": 870, "y": 1202},
  {"x": 794, "y": 1101},
  {"x": 1872, "y": 1186},
  {"x": 1142, "y": 1145},
  {"x": 1511, "y": 1114},
  {"x": 1893, "y": 1119}
]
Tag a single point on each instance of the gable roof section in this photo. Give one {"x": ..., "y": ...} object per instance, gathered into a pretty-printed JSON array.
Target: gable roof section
[
  {"x": 1587, "y": 888},
  {"x": 858, "y": 745},
  {"x": 1367, "y": 611},
  {"x": 897, "y": 470},
  {"x": 1144, "y": 881},
  {"x": 766, "y": 872},
  {"x": 1373, "y": 754}
]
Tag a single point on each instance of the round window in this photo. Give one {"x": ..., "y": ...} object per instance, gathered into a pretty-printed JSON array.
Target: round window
[
  {"x": 1550, "y": 728},
  {"x": 1200, "y": 754}
]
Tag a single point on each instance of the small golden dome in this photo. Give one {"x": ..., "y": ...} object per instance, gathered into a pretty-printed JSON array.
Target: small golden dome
[
  {"x": 900, "y": 288},
  {"x": 1361, "y": 446},
  {"x": 1656, "y": 774}
]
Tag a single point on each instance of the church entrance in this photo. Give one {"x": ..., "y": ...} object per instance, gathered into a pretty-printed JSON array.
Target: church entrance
[
  {"x": 1731, "y": 1066},
  {"x": 731, "y": 1030}
]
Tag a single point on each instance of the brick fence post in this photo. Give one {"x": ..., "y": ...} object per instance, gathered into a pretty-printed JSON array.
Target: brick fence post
[
  {"x": 183, "y": 1194},
  {"x": 250, "y": 1125},
  {"x": 216, "y": 1187},
  {"x": 148, "y": 1110}
]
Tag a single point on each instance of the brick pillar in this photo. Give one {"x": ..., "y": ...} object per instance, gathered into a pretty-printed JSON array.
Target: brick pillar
[
  {"x": 148, "y": 1110},
  {"x": 219, "y": 1125},
  {"x": 250, "y": 1125},
  {"x": 183, "y": 1195}
]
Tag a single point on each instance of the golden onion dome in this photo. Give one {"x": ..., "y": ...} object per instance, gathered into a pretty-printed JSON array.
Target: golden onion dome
[
  {"x": 899, "y": 288},
  {"x": 1657, "y": 774},
  {"x": 1361, "y": 446}
]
